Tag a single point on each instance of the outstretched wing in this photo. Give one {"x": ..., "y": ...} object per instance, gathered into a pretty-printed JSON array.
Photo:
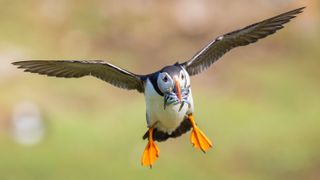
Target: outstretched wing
[
  {"x": 250, "y": 34},
  {"x": 76, "y": 69}
]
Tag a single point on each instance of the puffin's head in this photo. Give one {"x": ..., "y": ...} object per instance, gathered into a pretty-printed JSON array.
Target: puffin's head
[{"x": 174, "y": 82}]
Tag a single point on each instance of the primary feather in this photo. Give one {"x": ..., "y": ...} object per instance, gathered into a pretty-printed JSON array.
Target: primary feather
[
  {"x": 76, "y": 69},
  {"x": 250, "y": 34}
]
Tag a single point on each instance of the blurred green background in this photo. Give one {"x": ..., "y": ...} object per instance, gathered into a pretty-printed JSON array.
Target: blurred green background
[{"x": 259, "y": 104}]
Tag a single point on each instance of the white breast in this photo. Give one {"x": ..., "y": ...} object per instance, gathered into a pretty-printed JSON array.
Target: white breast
[{"x": 168, "y": 119}]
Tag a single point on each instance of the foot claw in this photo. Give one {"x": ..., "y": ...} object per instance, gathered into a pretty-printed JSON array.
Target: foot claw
[
  {"x": 198, "y": 138},
  {"x": 151, "y": 152}
]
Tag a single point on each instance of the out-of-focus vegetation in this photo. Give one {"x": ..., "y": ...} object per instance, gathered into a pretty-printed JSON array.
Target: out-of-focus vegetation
[{"x": 259, "y": 104}]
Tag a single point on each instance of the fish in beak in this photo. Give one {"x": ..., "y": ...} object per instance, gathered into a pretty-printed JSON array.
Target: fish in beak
[{"x": 176, "y": 96}]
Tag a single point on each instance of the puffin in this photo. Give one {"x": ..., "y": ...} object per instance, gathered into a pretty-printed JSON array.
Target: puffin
[{"x": 167, "y": 92}]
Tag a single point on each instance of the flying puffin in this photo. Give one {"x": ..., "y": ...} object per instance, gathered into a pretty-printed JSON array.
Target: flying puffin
[{"x": 168, "y": 96}]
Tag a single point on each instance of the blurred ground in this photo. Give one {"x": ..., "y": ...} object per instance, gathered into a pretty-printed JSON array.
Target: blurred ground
[{"x": 260, "y": 104}]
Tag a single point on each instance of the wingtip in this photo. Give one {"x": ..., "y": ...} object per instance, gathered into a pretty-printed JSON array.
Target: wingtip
[
  {"x": 22, "y": 63},
  {"x": 294, "y": 13},
  {"x": 300, "y": 10},
  {"x": 19, "y": 64},
  {"x": 15, "y": 63}
]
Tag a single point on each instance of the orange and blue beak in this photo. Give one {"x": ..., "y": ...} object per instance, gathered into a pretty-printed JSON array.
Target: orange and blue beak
[
  {"x": 177, "y": 95},
  {"x": 177, "y": 89}
]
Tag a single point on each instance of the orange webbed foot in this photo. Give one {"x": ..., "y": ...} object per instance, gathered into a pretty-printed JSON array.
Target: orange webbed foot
[
  {"x": 151, "y": 152},
  {"x": 198, "y": 138}
]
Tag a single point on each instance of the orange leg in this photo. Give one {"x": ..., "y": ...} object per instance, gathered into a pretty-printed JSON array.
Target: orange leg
[
  {"x": 198, "y": 138},
  {"x": 151, "y": 152}
]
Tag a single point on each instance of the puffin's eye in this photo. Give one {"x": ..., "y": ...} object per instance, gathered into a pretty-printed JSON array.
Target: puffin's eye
[
  {"x": 165, "y": 79},
  {"x": 182, "y": 77}
]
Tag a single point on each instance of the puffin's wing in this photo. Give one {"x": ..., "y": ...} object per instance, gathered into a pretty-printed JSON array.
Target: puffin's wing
[
  {"x": 250, "y": 34},
  {"x": 75, "y": 69}
]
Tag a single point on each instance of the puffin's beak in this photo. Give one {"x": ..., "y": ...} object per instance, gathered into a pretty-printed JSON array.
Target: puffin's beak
[{"x": 177, "y": 89}]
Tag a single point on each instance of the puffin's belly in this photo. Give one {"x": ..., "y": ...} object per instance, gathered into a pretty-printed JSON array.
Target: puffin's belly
[{"x": 168, "y": 119}]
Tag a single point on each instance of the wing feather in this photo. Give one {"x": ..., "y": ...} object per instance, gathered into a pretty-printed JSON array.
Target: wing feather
[
  {"x": 75, "y": 69},
  {"x": 250, "y": 34}
]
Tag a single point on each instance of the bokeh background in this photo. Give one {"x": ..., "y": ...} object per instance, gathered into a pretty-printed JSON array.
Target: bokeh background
[{"x": 259, "y": 104}]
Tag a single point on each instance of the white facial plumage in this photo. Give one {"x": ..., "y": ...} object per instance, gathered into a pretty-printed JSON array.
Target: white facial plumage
[
  {"x": 165, "y": 82},
  {"x": 186, "y": 78}
]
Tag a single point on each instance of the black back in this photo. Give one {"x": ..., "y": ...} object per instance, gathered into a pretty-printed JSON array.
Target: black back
[{"x": 172, "y": 70}]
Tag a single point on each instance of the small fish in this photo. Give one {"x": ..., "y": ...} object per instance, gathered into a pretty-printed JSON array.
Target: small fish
[{"x": 181, "y": 106}]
